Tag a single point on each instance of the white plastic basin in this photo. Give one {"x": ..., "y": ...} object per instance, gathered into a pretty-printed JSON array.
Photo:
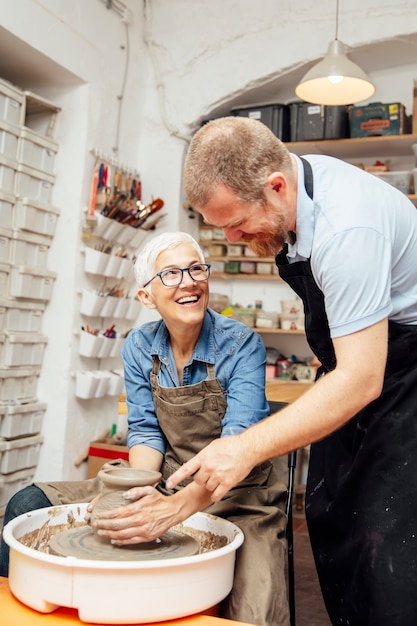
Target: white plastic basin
[{"x": 131, "y": 592}]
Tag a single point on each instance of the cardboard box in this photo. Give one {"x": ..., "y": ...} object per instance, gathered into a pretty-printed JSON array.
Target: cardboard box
[
  {"x": 100, "y": 453},
  {"x": 378, "y": 118}
]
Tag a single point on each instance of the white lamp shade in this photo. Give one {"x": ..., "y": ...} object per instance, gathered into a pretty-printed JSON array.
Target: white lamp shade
[{"x": 335, "y": 80}]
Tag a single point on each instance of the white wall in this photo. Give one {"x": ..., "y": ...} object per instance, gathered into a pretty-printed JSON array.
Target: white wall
[{"x": 188, "y": 60}]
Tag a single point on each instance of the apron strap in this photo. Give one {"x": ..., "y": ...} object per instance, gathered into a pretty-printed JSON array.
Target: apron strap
[{"x": 281, "y": 258}]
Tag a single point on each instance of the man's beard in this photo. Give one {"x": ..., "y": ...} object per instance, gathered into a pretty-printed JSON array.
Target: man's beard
[{"x": 268, "y": 244}]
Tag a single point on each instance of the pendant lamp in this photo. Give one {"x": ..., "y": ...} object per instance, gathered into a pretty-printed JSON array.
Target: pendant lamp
[{"x": 335, "y": 80}]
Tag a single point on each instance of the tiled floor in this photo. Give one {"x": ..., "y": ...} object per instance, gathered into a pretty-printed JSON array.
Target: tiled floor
[{"x": 309, "y": 606}]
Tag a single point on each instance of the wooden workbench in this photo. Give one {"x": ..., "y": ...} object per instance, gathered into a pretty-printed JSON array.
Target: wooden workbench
[
  {"x": 14, "y": 613},
  {"x": 285, "y": 390}
]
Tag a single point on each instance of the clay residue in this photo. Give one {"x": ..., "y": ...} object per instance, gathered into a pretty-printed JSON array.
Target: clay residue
[
  {"x": 39, "y": 539},
  {"x": 208, "y": 541}
]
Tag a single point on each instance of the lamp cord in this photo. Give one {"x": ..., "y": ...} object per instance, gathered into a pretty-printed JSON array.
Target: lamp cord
[{"x": 337, "y": 18}]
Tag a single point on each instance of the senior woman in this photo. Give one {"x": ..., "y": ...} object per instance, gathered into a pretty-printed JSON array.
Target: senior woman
[{"x": 193, "y": 376}]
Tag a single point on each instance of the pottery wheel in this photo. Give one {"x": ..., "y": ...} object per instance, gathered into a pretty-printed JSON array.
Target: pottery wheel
[{"x": 84, "y": 544}]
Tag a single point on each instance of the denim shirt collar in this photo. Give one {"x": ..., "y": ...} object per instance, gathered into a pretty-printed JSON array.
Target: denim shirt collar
[{"x": 203, "y": 351}]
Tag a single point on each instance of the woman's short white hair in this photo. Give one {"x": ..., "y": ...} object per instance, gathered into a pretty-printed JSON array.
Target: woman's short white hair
[{"x": 144, "y": 267}]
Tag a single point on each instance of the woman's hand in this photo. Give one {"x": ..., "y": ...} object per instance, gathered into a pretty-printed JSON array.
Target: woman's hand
[{"x": 146, "y": 516}]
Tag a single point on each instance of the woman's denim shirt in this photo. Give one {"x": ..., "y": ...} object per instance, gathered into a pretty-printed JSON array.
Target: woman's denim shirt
[{"x": 239, "y": 359}]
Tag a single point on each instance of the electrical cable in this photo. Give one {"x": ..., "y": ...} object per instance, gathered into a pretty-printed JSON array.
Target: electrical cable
[
  {"x": 159, "y": 84},
  {"x": 122, "y": 91}
]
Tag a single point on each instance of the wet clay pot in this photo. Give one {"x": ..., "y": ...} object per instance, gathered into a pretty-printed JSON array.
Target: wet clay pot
[{"x": 117, "y": 481}]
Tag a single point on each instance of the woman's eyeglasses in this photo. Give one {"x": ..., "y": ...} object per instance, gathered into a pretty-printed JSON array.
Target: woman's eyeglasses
[{"x": 173, "y": 276}]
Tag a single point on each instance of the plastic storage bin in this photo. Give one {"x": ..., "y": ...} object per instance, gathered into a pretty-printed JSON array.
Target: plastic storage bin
[
  {"x": 35, "y": 217},
  {"x": 11, "y": 103},
  {"x": 7, "y": 202},
  {"x": 9, "y": 137},
  {"x": 5, "y": 238},
  {"x": 275, "y": 116},
  {"x": 18, "y": 454},
  {"x": 8, "y": 169},
  {"x": 11, "y": 483},
  {"x": 31, "y": 283},
  {"x": 21, "y": 420},
  {"x": 4, "y": 279},
  {"x": 400, "y": 180},
  {"x": 37, "y": 151},
  {"x": 21, "y": 316},
  {"x": 34, "y": 184},
  {"x": 311, "y": 122},
  {"x": 265, "y": 319},
  {"x": 18, "y": 385},
  {"x": 29, "y": 249},
  {"x": 23, "y": 349}
]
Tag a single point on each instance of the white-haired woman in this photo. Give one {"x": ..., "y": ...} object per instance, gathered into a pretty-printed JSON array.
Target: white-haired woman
[{"x": 192, "y": 376}]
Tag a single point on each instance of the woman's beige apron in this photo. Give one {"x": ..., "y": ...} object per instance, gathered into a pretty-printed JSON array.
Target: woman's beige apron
[{"x": 190, "y": 418}]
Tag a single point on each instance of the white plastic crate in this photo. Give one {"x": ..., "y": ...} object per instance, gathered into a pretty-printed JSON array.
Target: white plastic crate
[
  {"x": 34, "y": 184},
  {"x": 18, "y": 385},
  {"x": 34, "y": 216},
  {"x": 40, "y": 114},
  {"x": 23, "y": 349},
  {"x": 31, "y": 283},
  {"x": 4, "y": 279},
  {"x": 12, "y": 483},
  {"x": 20, "y": 316},
  {"x": 3, "y": 310},
  {"x": 37, "y": 151},
  {"x": 8, "y": 174},
  {"x": 29, "y": 249},
  {"x": 21, "y": 420},
  {"x": 9, "y": 138},
  {"x": 7, "y": 202},
  {"x": 5, "y": 237},
  {"x": 18, "y": 454},
  {"x": 11, "y": 103}
]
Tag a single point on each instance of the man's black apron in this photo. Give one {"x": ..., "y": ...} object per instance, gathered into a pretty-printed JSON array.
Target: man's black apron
[{"x": 361, "y": 497}]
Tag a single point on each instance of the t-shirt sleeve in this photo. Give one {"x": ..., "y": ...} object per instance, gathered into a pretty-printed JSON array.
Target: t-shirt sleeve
[{"x": 353, "y": 269}]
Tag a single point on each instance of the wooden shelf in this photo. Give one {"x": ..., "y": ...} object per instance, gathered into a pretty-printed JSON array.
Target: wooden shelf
[
  {"x": 356, "y": 147},
  {"x": 278, "y": 331},
  {"x": 246, "y": 259},
  {"x": 226, "y": 276}
]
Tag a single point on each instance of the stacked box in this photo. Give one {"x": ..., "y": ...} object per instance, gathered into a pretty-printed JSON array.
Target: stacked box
[
  {"x": 33, "y": 216},
  {"x": 21, "y": 420},
  {"x": 11, "y": 103},
  {"x": 11, "y": 483},
  {"x": 27, "y": 225},
  {"x": 18, "y": 385},
  {"x": 18, "y": 454},
  {"x": 379, "y": 118},
  {"x": 21, "y": 316},
  {"x": 314, "y": 122},
  {"x": 23, "y": 349},
  {"x": 275, "y": 116},
  {"x": 7, "y": 203}
]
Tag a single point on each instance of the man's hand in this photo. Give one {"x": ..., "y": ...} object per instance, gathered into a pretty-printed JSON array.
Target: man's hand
[{"x": 218, "y": 467}]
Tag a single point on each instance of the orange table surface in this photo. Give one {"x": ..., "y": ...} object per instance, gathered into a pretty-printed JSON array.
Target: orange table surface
[{"x": 14, "y": 613}]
